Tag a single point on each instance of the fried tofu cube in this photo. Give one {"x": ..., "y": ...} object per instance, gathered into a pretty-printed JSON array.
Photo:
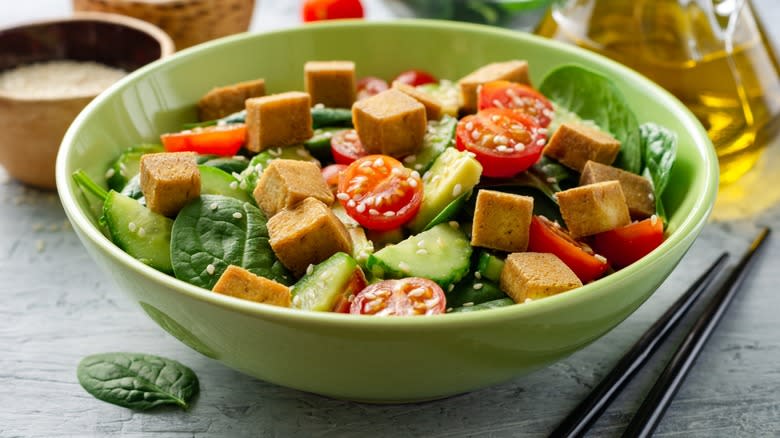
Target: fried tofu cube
[
  {"x": 223, "y": 101},
  {"x": 390, "y": 123},
  {"x": 240, "y": 283},
  {"x": 285, "y": 183},
  {"x": 593, "y": 208},
  {"x": 534, "y": 275},
  {"x": 637, "y": 190},
  {"x": 574, "y": 145},
  {"x": 169, "y": 180},
  {"x": 502, "y": 221},
  {"x": 307, "y": 233},
  {"x": 433, "y": 107},
  {"x": 513, "y": 71},
  {"x": 278, "y": 120},
  {"x": 331, "y": 83}
]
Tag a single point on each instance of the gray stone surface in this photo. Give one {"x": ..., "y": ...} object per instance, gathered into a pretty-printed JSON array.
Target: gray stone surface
[{"x": 56, "y": 307}]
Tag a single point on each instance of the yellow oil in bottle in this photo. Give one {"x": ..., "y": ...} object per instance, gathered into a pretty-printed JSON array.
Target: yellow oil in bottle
[{"x": 712, "y": 54}]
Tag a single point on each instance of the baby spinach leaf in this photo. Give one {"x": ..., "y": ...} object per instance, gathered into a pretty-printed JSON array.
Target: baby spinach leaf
[
  {"x": 215, "y": 231},
  {"x": 660, "y": 146},
  {"x": 594, "y": 97},
  {"x": 137, "y": 381}
]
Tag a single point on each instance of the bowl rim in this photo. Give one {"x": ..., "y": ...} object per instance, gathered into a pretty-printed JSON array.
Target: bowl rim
[
  {"x": 692, "y": 223},
  {"x": 163, "y": 40}
]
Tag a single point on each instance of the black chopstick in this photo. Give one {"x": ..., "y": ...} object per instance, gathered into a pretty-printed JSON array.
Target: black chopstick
[
  {"x": 583, "y": 416},
  {"x": 660, "y": 396}
]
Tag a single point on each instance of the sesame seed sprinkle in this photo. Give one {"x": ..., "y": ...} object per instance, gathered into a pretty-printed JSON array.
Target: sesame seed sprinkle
[
  {"x": 541, "y": 142},
  {"x": 477, "y": 286},
  {"x": 469, "y": 304},
  {"x": 236, "y": 175},
  {"x": 342, "y": 196},
  {"x": 653, "y": 219},
  {"x": 210, "y": 269},
  {"x": 457, "y": 190},
  {"x": 478, "y": 275},
  {"x": 373, "y": 212},
  {"x": 600, "y": 258},
  {"x": 528, "y": 300},
  {"x": 132, "y": 227},
  {"x": 422, "y": 251},
  {"x": 475, "y": 134},
  {"x": 450, "y": 288},
  {"x": 469, "y": 126},
  {"x": 389, "y": 213},
  {"x": 302, "y": 152},
  {"x": 237, "y": 215},
  {"x": 403, "y": 266},
  {"x": 142, "y": 232},
  {"x": 454, "y": 224},
  {"x": 410, "y": 159},
  {"x": 110, "y": 172},
  {"x": 234, "y": 185},
  {"x": 213, "y": 206},
  {"x": 309, "y": 269},
  {"x": 361, "y": 208},
  {"x": 412, "y": 182},
  {"x": 351, "y": 203}
]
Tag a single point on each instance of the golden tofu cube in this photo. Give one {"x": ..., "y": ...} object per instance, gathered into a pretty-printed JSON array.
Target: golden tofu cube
[
  {"x": 593, "y": 208},
  {"x": 433, "y": 107},
  {"x": 513, "y": 71},
  {"x": 637, "y": 190},
  {"x": 502, "y": 221},
  {"x": 534, "y": 275},
  {"x": 574, "y": 145},
  {"x": 278, "y": 120},
  {"x": 331, "y": 83},
  {"x": 307, "y": 233},
  {"x": 240, "y": 283},
  {"x": 390, "y": 123},
  {"x": 285, "y": 183},
  {"x": 223, "y": 101},
  {"x": 169, "y": 180}
]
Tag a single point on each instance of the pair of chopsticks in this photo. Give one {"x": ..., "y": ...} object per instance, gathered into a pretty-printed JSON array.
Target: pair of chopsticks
[{"x": 650, "y": 413}]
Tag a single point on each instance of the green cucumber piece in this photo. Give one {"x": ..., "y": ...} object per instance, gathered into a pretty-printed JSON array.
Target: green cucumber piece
[
  {"x": 381, "y": 239},
  {"x": 361, "y": 246},
  {"x": 474, "y": 291},
  {"x": 439, "y": 136},
  {"x": 502, "y": 302},
  {"x": 139, "y": 231},
  {"x": 330, "y": 280},
  {"x": 322, "y": 117},
  {"x": 441, "y": 254},
  {"x": 216, "y": 182},
  {"x": 252, "y": 173},
  {"x": 128, "y": 165},
  {"x": 319, "y": 144},
  {"x": 489, "y": 266},
  {"x": 446, "y": 92},
  {"x": 449, "y": 212},
  {"x": 452, "y": 174}
]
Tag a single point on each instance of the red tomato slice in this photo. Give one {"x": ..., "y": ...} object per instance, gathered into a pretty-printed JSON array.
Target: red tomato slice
[
  {"x": 415, "y": 78},
  {"x": 223, "y": 140},
  {"x": 517, "y": 97},
  {"x": 407, "y": 296},
  {"x": 346, "y": 146},
  {"x": 331, "y": 175},
  {"x": 625, "y": 245},
  {"x": 316, "y": 10},
  {"x": 546, "y": 236},
  {"x": 356, "y": 284},
  {"x": 370, "y": 86},
  {"x": 504, "y": 142},
  {"x": 379, "y": 192}
]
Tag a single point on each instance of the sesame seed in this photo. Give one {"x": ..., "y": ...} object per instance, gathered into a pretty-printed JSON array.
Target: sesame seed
[
  {"x": 477, "y": 286},
  {"x": 243, "y": 185},
  {"x": 366, "y": 164},
  {"x": 432, "y": 301},
  {"x": 450, "y": 288},
  {"x": 551, "y": 179},
  {"x": 142, "y": 232},
  {"x": 132, "y": 227},
  {"x": 319, "y": 106},
  {"x": 469, "y": 126},
  {"x": 403, "y": 266},
  {"x": 351, "y": 136},
  {"x": 309, "y": 269},
  {"x": 389, "y": 213},
  {"x": 373, "y": 212},
  {"x": 237, "y": 215},
  {"x": 502, "y": 148},
  {"x": 259, "y": 167},
  {"x": 421, "y": 243},
  {"x": 478, "y": 275},
  {"x": 213, "y": 206},
  {"x": 418, "y": 166},
  {"x": 234, "y": 185},
  {"x": 497, "y": 103},
  {"x": 600, "y": 258},
  {"x": 653, "y": 219},
  {"x": 495, "y": 118},
  {"x": 650, "y": 196},
  {"x": 342, "y": 196},
  {"x": 361, "y": 208},
  {"x": 379, "y": 162},
  {"x": 475, "y": 134},
  {"x": 302, "y": 153},
  {"x": 415, "y": 174},
  {"x": 412, "y": 182},
  {"x": 422, "y": 251},
  {"x": 239, "y": 157},
  {"x": 397, "y": 171},
  {"x": 541, "y": 142},
  {"x": 110, "y": 172},
  {"x": 454, "y": 224},
  {"x": 410, "y": 159},
  {"x": 370, "y": 295},
  {"x": 500, "y": 139},
  {"x": 296, "y": 301},
  {"x": 528, "y": 300},
  {"x": 210, "y": 269},
  {"x": 456, "y": 190},
  {"x": 469, "y": 304},
  {"x": 236, "y": 175},
  {"x": 351, "y": 203}
]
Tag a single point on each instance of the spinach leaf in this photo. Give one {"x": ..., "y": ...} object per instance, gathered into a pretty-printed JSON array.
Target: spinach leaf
[
  {"x": 594, "y": 97},
  {"x": 228, "y": 165},
  {"x": 660, "y": 146},
  {"x": 137, "y": 381},
  {"x": 215, "y": 231}
]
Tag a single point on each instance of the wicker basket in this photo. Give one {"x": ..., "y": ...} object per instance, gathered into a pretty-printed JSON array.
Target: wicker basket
[{"x": 188, "y": 22}]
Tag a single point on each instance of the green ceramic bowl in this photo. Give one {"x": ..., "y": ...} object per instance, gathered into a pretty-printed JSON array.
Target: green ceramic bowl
[{"x": 367, "y": 358}]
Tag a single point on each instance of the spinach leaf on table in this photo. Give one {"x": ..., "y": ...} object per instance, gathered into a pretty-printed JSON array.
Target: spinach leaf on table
[
  {"x": 660, "y": 146},
  {"x": 220, "y": 231},
  {"x": 137, "y": 381},
  {"x": 594, "y": 97}
]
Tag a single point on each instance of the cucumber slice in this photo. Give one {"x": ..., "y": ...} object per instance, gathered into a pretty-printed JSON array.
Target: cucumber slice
[
  {"x": 439, "y": 136},
  {"x": 489, "y": 266},
  {"x": 446, "y": 92},
  {"x": 319, "y": 144},
  {"x": 474, "y": 291},
  {"x": 503, "y": 302},
  {"x": 128, "y": 165},
  {"x": 252, "y": 173},
  {"x": 216, "y": 182},
  {"x": 441, "y": 254},
  {"x": 139, "y": 231},
  {"x": 452, "y": 174},
  {"x": 321, "y": 117},
  {"x": 330, "y": 280}
]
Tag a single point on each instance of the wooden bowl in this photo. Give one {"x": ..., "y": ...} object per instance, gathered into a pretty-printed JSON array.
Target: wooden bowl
[
  {"x": 31, "y": 129},
  {"x": 188, "y": 22}
]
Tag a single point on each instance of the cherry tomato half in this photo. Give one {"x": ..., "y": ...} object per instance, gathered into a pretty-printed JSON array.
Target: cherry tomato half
[
  {"x": 407, "y": 296},
  {"x": 517, "y": 97},
  {"x": 379, "y": 192},
  {"x": 625, "y": 245},
  {"x": 346, "y": 146},
  {"x": 415, "y": 78},
  {"x": 504, "y": 142},
  {"x": 223, "y": 140},
  {"x": 331, "y": 175},
  {"x": 316, "y": 10},
  {"x": 546, "y": 236},
  {"x": 370, "y": 86}
]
